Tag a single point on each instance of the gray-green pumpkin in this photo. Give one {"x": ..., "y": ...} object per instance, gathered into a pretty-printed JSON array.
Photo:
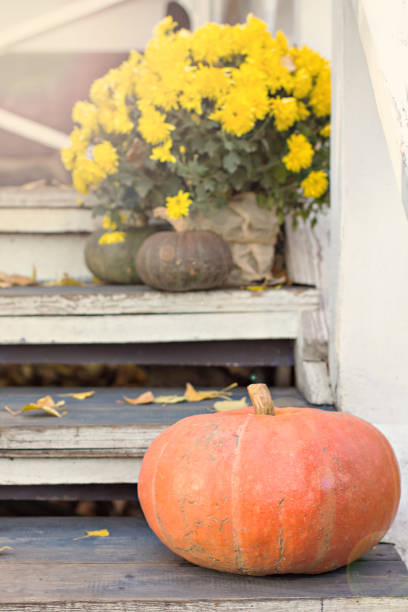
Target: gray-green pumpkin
[
  {"x": 115, "y": 263},
  {"x": 184, "y": 261}
]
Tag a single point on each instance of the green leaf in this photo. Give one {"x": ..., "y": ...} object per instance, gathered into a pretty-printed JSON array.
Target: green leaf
[
  {"x": 231, "y": 161},
  {"x": 143, "y": 185},
  {"x": 280, "y": 173}
]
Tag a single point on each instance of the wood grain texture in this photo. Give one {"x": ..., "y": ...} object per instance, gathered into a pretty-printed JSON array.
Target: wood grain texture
[
  {"x": 307, "y": 250},
  {"x": 313, "y": 336},
  {"x": 70, "y": 471},
  {"x": 100, "y": 422},
  {"x": 140, "y": 299},
  {"x": 131, "y": 568},
  {"x": 148, "y": 328},
  {"x": 282, "y": 605},
  {"x": 27, "y": 220},
  {"x": 98, "y": 441}
]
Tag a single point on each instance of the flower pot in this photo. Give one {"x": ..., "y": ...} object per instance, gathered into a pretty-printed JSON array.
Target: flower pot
[
  {"x": 115, "y": 263},
  {"x": 249, "y": 230}
]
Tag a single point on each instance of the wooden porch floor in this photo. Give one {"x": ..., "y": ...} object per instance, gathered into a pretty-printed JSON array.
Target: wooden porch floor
[{"x": 49, "y": 571}]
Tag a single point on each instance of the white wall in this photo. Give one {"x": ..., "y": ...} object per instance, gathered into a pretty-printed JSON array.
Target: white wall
[{"x": 369, "y": 259}]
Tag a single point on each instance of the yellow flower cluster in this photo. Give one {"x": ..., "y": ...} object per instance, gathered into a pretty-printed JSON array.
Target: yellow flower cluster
[
  {"x": 315, "y": 184},
  {"x": 178, "y": 205},
  {"x": 112, "y": 237},
  {"x": 234, "y": 78},
  {"x": 300, "y": 153}
]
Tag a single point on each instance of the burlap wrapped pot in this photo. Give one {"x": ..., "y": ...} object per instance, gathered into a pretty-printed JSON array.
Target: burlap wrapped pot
[{"x": 250, "y": 231}]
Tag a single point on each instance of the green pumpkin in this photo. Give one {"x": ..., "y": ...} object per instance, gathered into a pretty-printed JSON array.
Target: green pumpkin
[
  {"x": 115, "y": 263},
  {"x": 184, "y": 261}
]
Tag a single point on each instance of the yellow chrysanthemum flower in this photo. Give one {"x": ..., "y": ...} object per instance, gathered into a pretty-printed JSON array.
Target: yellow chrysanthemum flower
[
  {"x": 320, "y": 98},
  {"x": 153, "y": 126},
  {"x": 315, "y": 184},
  {"x": 237, "y": 117},
  {"x": 178, "y": 205},
  {"x": 302, "y": 83},
  {"x": 300, "y": 153},
  {"x": 325, "y": 131},
  {"x": 285, "y": 112},
  {"x": 163, "y": 153},
  {"x": 305, "y": 57},
  {"x": 112, "y": 237},
  {"x": 86, "y": 174},
  {"x": 106, "y": 157},
  {"x": 86, "y": 114}
]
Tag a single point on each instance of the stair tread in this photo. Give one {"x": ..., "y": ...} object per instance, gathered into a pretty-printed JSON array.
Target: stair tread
[
  {"x": 104, "y": 420},
  {"x": 47, "y": 565}
]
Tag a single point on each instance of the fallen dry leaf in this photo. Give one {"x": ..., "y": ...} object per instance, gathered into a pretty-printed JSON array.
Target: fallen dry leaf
[
  {"x": 66, "y": 280},
  {"x": 4, "y": 548},
  {"x": 144, "y": 398},
  {"x": 11, "y": 280},
  {"x": 192, "y": 395},
  {"x": 102, "y": 533},
  {"x": 39, "y": 184},
  {"x": 169, "y": 399},
  {"x": 230, "y": 404},
  {"x": 79, "y": 396},
  {"x": 47, "y": 405},
  {"x": 10, "y": 411}
]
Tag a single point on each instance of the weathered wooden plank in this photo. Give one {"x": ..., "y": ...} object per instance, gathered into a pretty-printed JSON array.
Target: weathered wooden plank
[
  {"x": 69, "y": 471},
  {"x": 27, "y": 220},
  {"x": 366, "y": 604},
  {"x": 313, "y": 336},
  {"x": 149, "y": 328},
  {"x": 44, "y": 539},
  {"x": 98, "y": 441},
  {"x": 51, "y": 254},
  {"x": 210, "y": 353},
  {"x": 99, "y": 422},
  {"x": 173, "y": 606},
  {"x": 72, "y": 492},
  {"x": 307, "y": 250},
  {"x": 140, "y": 299},
  {"x": 38, "y": 197},
  {"x": 46, "y": 567}
]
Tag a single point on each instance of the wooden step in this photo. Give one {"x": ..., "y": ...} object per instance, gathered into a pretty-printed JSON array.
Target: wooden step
[
  {"x": 100, "y": 440},
  {"x": 48, "y": 571},
  {"x": 136, "y": 313}
]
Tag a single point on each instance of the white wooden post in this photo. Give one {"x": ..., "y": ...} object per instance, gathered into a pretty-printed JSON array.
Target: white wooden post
[{"x": 369, "y": 255}]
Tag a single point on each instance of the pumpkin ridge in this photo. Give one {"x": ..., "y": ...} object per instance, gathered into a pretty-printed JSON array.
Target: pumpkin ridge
[
  {"x": 162, "y": 535},
  {"x": 235, "y": 478},
  {"x": 330, "y": 506}
]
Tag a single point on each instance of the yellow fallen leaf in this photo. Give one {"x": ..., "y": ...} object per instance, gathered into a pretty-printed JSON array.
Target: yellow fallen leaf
[
  {"x": 79, "y": 396},
  {"x": 255, "y": 287},
  {"x": 4, "y": 548},
  {"x": 230, "y": 404},
  {"x": 192, "y": 395},
  {"x": 144, "y": 398},
  {"x": 66, "y": 280},
  {"x": 47, "y": 405},
  {"x": 102, "y": 533},
  {"x": 169, "y": 399},
  {"x": 49, "y": 402}
]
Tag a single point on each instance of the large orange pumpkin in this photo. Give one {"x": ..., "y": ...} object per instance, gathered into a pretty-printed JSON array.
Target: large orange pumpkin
[{"x": 299, "y": 491}]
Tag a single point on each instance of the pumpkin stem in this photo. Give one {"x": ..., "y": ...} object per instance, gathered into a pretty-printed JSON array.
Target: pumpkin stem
[
  {"x": 261, "y": 399},
  {"x": 178, "y": 224}
]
